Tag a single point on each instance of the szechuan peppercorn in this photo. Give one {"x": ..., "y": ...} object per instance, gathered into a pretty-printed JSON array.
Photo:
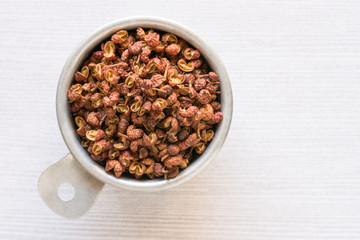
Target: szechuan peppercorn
[{"x": 145, "y": 103}]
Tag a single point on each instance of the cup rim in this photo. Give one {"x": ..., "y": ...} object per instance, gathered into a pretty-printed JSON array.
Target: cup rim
[{"x": 81, "y": 51}]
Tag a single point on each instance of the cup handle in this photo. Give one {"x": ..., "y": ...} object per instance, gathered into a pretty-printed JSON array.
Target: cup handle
[{"x": 68, "y": 170}]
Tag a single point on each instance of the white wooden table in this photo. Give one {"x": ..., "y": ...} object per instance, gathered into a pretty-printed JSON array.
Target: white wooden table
[{"x": 290, "y": 168}]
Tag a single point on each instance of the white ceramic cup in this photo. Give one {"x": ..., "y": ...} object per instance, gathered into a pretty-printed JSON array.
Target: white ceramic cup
[{"x": 78, "y": 169}]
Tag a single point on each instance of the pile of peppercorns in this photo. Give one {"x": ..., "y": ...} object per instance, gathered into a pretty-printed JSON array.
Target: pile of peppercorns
[{"x": 145, "y": 104}]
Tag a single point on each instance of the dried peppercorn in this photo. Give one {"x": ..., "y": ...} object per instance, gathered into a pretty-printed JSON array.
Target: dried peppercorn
[
  {"x": 138, "y": 169},
  {"x": 116, "y": 165},
  {"x": 145, "y": 104},
  {"x": 82, "y": 75},
  {"x": 169, "y": 38},
  {"x": 172, "y": 49},
  {"x": 95, "y": 135},
  {"x": 172, "y": 172},
  {"x": 120, "y": 37},
  {"x": 133, "y": 133},
  {"x": 191, "y": 54},
  {"x": 186, "y": 67},
  {"x": 152, "y": 39},
  {"x": 109, "y": 50},
  {"x": 140, "y": 33}
]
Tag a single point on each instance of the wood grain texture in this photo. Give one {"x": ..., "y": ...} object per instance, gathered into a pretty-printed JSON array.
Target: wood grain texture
[{"x": 289, "y": 168}]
